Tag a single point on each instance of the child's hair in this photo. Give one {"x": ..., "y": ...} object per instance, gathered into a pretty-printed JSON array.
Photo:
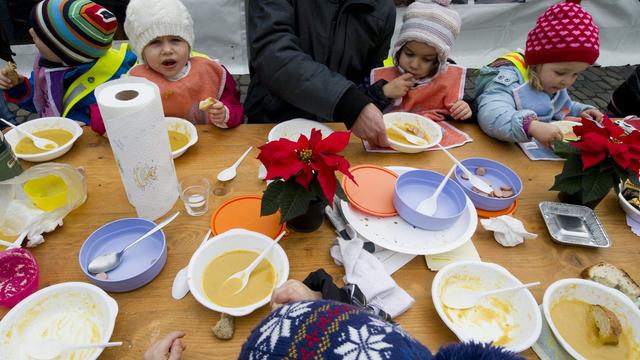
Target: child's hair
[
  {"x": 147, "y": 20},
  {"x": 77, "y": 31},
  {"x": 533, "y": 72},
  {"x": 430, "y": 22}
]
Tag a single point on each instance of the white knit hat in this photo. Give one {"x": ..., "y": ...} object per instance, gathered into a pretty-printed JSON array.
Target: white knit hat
[
  {"x": 430, "y": 22},
  {"x": 149, "y": 19}
]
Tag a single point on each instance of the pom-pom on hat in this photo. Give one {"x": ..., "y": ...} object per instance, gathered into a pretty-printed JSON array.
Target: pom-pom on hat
[
  {"x": 430, "y": 22},
  {"x": 149, "y": 19},
  {"x": 77, "y": 31},
  {"x": 565, "y": 32}
]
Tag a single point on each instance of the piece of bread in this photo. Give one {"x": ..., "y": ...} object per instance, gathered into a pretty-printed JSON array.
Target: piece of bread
[
  {"x": 612, "y": 276},
  {"x": 206, "y": 104},
  {"x": 225, "y": 327},
  {"x": 607, "y": 325},
  {"x": 11, "y": 73}
]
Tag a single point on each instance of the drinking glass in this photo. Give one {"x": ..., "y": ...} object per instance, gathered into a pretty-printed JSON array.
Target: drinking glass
[{"x": 194, "y": 192}]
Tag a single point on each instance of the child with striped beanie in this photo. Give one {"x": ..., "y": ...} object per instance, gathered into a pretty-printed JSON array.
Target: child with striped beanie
[
  {"x": 520, "y": 96},
  {"x": 74, "y": 39},
  {"x": 421, "y": 80}
]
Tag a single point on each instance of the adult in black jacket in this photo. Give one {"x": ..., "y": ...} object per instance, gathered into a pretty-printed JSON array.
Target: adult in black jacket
[{"x": 307, "y": 55}]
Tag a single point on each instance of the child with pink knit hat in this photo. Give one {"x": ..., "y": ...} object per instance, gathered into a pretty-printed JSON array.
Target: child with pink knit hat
[
  {"x": 421, "y": 80},
  {"x": 519, "y": 97}
]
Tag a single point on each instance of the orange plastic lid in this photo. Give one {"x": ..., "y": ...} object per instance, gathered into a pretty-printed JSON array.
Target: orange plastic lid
[
  {"x": 373, "y": 193},
  {"x": 489, "y": 214},
  {"x": 244, "y": 213}
]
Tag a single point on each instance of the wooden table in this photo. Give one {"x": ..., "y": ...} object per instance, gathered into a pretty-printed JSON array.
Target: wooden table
[{"x": 149, "y": 312}]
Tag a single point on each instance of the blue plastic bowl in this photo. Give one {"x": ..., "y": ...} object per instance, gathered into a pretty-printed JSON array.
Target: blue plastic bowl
[
  {"x": 496, "y": 175},
  {"x": 140, "y": 264},
  {"x": 416, "y": 185}
]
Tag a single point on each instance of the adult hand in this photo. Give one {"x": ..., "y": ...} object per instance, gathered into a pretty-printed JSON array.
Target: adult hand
[
  {"x": 291, "y": 291},
  {"x": 592, "y": 113},
  {"x": 370, "y": 126},
  {"x": 545, "y": 133},
  {"x": 168, "y": 348},
  {"x": 460, "y": 110},
  {"x": 399, "y": 86},
  {"x": 218, "y": 113}
]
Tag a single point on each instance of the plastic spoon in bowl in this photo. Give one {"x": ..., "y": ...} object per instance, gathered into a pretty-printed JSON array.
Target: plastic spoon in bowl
[
  {"x": 110, "y": 261},
  {"x": 466, "y": 298},
  {"x": 40, "y": 143},
  {"x": 416, "y": 140},
  {"x": 473, "y": 179},
  {"x": 180, "y": 286},
  {"x": 47, "y": 349},
  {"x": 238, "y": 281},
  {"x": 429, "y": 205},
  {"x": 230, "y": 172}
]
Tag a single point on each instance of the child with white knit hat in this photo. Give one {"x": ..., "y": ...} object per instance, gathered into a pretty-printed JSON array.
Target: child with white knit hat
[
  {"x": 192, "y": 87},
  {"x": 421, "y": 81}
]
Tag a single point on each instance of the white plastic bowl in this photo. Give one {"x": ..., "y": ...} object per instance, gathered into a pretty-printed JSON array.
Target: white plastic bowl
[
  {"x": 292, "y": 129},
  {"x": 526, "y": 315},
  {"x": 13, "y": 137},
  {"x": 185, "y": 127},
  {"x": 235, "y": 239},
  {"x": 433, "y": 130},
  {"x": 628, "y": 208},
  {"x": 52, "y": 300},
  {"x": 591, "y": 293}
]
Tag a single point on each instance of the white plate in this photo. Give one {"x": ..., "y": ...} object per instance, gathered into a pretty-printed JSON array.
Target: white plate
[
  {"x": 395, "y": 234},
  {"x": 431, "y": 129},
  {"x": 185, "y": 127},
  {"x": 31, "y": 126},
  {"x": 292, "y": 129}
]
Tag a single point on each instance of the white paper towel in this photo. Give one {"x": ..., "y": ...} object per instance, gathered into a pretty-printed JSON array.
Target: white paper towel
[{"x": 132, "y": 112}]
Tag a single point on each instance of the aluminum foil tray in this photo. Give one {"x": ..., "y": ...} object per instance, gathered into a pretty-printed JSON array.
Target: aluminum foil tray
[{"x": 573, "y": 225}]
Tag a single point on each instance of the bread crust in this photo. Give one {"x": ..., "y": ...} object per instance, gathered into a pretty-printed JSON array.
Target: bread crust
[
  {"x": 11, "y": 73},
  {"x": 615, "y": 277},
  {"x": 607, "y": 325},
  {"x": 206, "y": 104}
]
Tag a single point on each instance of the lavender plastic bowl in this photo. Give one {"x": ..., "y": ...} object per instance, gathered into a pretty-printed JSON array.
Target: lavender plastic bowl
[
  {"x": 496, "y": 175},
  {"x": 416, "y": 185},
  {"x": 140, "y": 264},
  {"x": 19, "y": 275}
]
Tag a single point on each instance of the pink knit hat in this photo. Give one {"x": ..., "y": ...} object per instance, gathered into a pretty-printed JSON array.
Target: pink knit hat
[{"x": 565, "y": 32}]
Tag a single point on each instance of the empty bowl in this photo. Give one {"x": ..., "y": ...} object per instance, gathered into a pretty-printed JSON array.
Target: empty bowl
[
  {"x": 48, "y": 192},
  {"x": 47, "y": 123},
  {"x": 510, "y": 319},
  {"x": 577, "y": 324},
  {"x": 234, "y": 240},
  {"x": 140, "y": 264},
  {"x": 414, "y": 186},
  {"x": 181, "y": 127},
  {"x": 19, "y": 274},
  {"x": 292, "y": 129},
  {"x": 414, "y": 124},
  {"x": 498, "y": 176}
]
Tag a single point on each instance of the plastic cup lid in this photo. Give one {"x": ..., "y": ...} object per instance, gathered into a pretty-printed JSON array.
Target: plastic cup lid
[
  {"x": 373, "y": 193},
  {"x": 490, "y": 214},
  {"x": 244, "y": 213}
]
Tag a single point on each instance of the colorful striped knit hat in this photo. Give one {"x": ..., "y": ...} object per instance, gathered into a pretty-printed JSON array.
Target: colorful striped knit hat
[
  {"x": 77, "y": 31},
  {"x": 432, "y": 23}
]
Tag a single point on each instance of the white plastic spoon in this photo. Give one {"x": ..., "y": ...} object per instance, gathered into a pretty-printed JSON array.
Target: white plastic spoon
[
  {"x": 47, "y": 349},
  {"x": 466, "y": 298},
  {"x": 429, "y": 205},
  {"x": 230, "y": 172},
  {"x": 416, "y": 140},
  {"x": 40, "y": 143},
  {"x": 473, "y": 179},
  {"x": 180, "y": 286},
  {"x": 243, "y": 275}
]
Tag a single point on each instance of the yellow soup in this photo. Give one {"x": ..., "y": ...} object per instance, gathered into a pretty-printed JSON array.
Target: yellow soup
[
  {"x": 261, "y": 282},
  {"x": 177, "y": 139},
  {"x": 27, "y": 147},
  {"x": 409, "y": 128},
  {"x": 575, "y": 323}
]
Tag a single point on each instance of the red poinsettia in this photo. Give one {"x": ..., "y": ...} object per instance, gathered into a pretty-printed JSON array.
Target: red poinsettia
[
  {"x": 306, "y": 163},
  {"x": 599, "y": 140}
]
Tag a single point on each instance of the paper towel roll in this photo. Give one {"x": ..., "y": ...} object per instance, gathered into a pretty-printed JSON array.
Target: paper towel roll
[{"x": 132, "y": 112}]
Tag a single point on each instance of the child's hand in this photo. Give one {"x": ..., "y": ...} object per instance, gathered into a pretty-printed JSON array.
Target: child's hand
[
  {"x": 460, "y": 110},
  {"x": 218, "y": 113},
  {"x": 291, "y": 291},
  {"x": 545, "y": 133},
  {"x": 398, "y": 87},
  {"x": 6, "y": 81},
  {"x": 168, "y": 348},
  {"x": 592, "y": 113}
]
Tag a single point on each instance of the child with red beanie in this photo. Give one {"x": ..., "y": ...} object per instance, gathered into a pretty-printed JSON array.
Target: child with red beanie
[{"x": 519, "y": 97}]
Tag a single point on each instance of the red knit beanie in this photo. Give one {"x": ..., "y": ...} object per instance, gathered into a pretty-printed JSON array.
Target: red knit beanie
[{"x": 565, "y": 32}]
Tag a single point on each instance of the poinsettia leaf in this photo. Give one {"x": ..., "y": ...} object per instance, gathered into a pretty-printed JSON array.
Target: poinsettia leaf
[
  {"x": 270, "y": 198},
  {"x": 595, "y": 184},
  {"x": 564, "y": 149},
  {"x": 340, "y": 192},
  {"x": 633, "y": 177},
  {"x": 294, "y": 201},
  {"x": 570, "y": 184},
  {"x": 572, "y": 168}
]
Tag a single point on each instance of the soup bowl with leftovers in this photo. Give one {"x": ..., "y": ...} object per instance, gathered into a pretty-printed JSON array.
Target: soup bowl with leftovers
[
  {"x": 61, "y": 130},
  {"x": 413, "y": 124},
  {"x": 182, "y": 135}
]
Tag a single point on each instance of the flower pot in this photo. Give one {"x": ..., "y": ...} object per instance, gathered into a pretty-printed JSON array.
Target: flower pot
[
  {"x": 576, "y": 199},
  {"x": 309, "y": 221}
]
